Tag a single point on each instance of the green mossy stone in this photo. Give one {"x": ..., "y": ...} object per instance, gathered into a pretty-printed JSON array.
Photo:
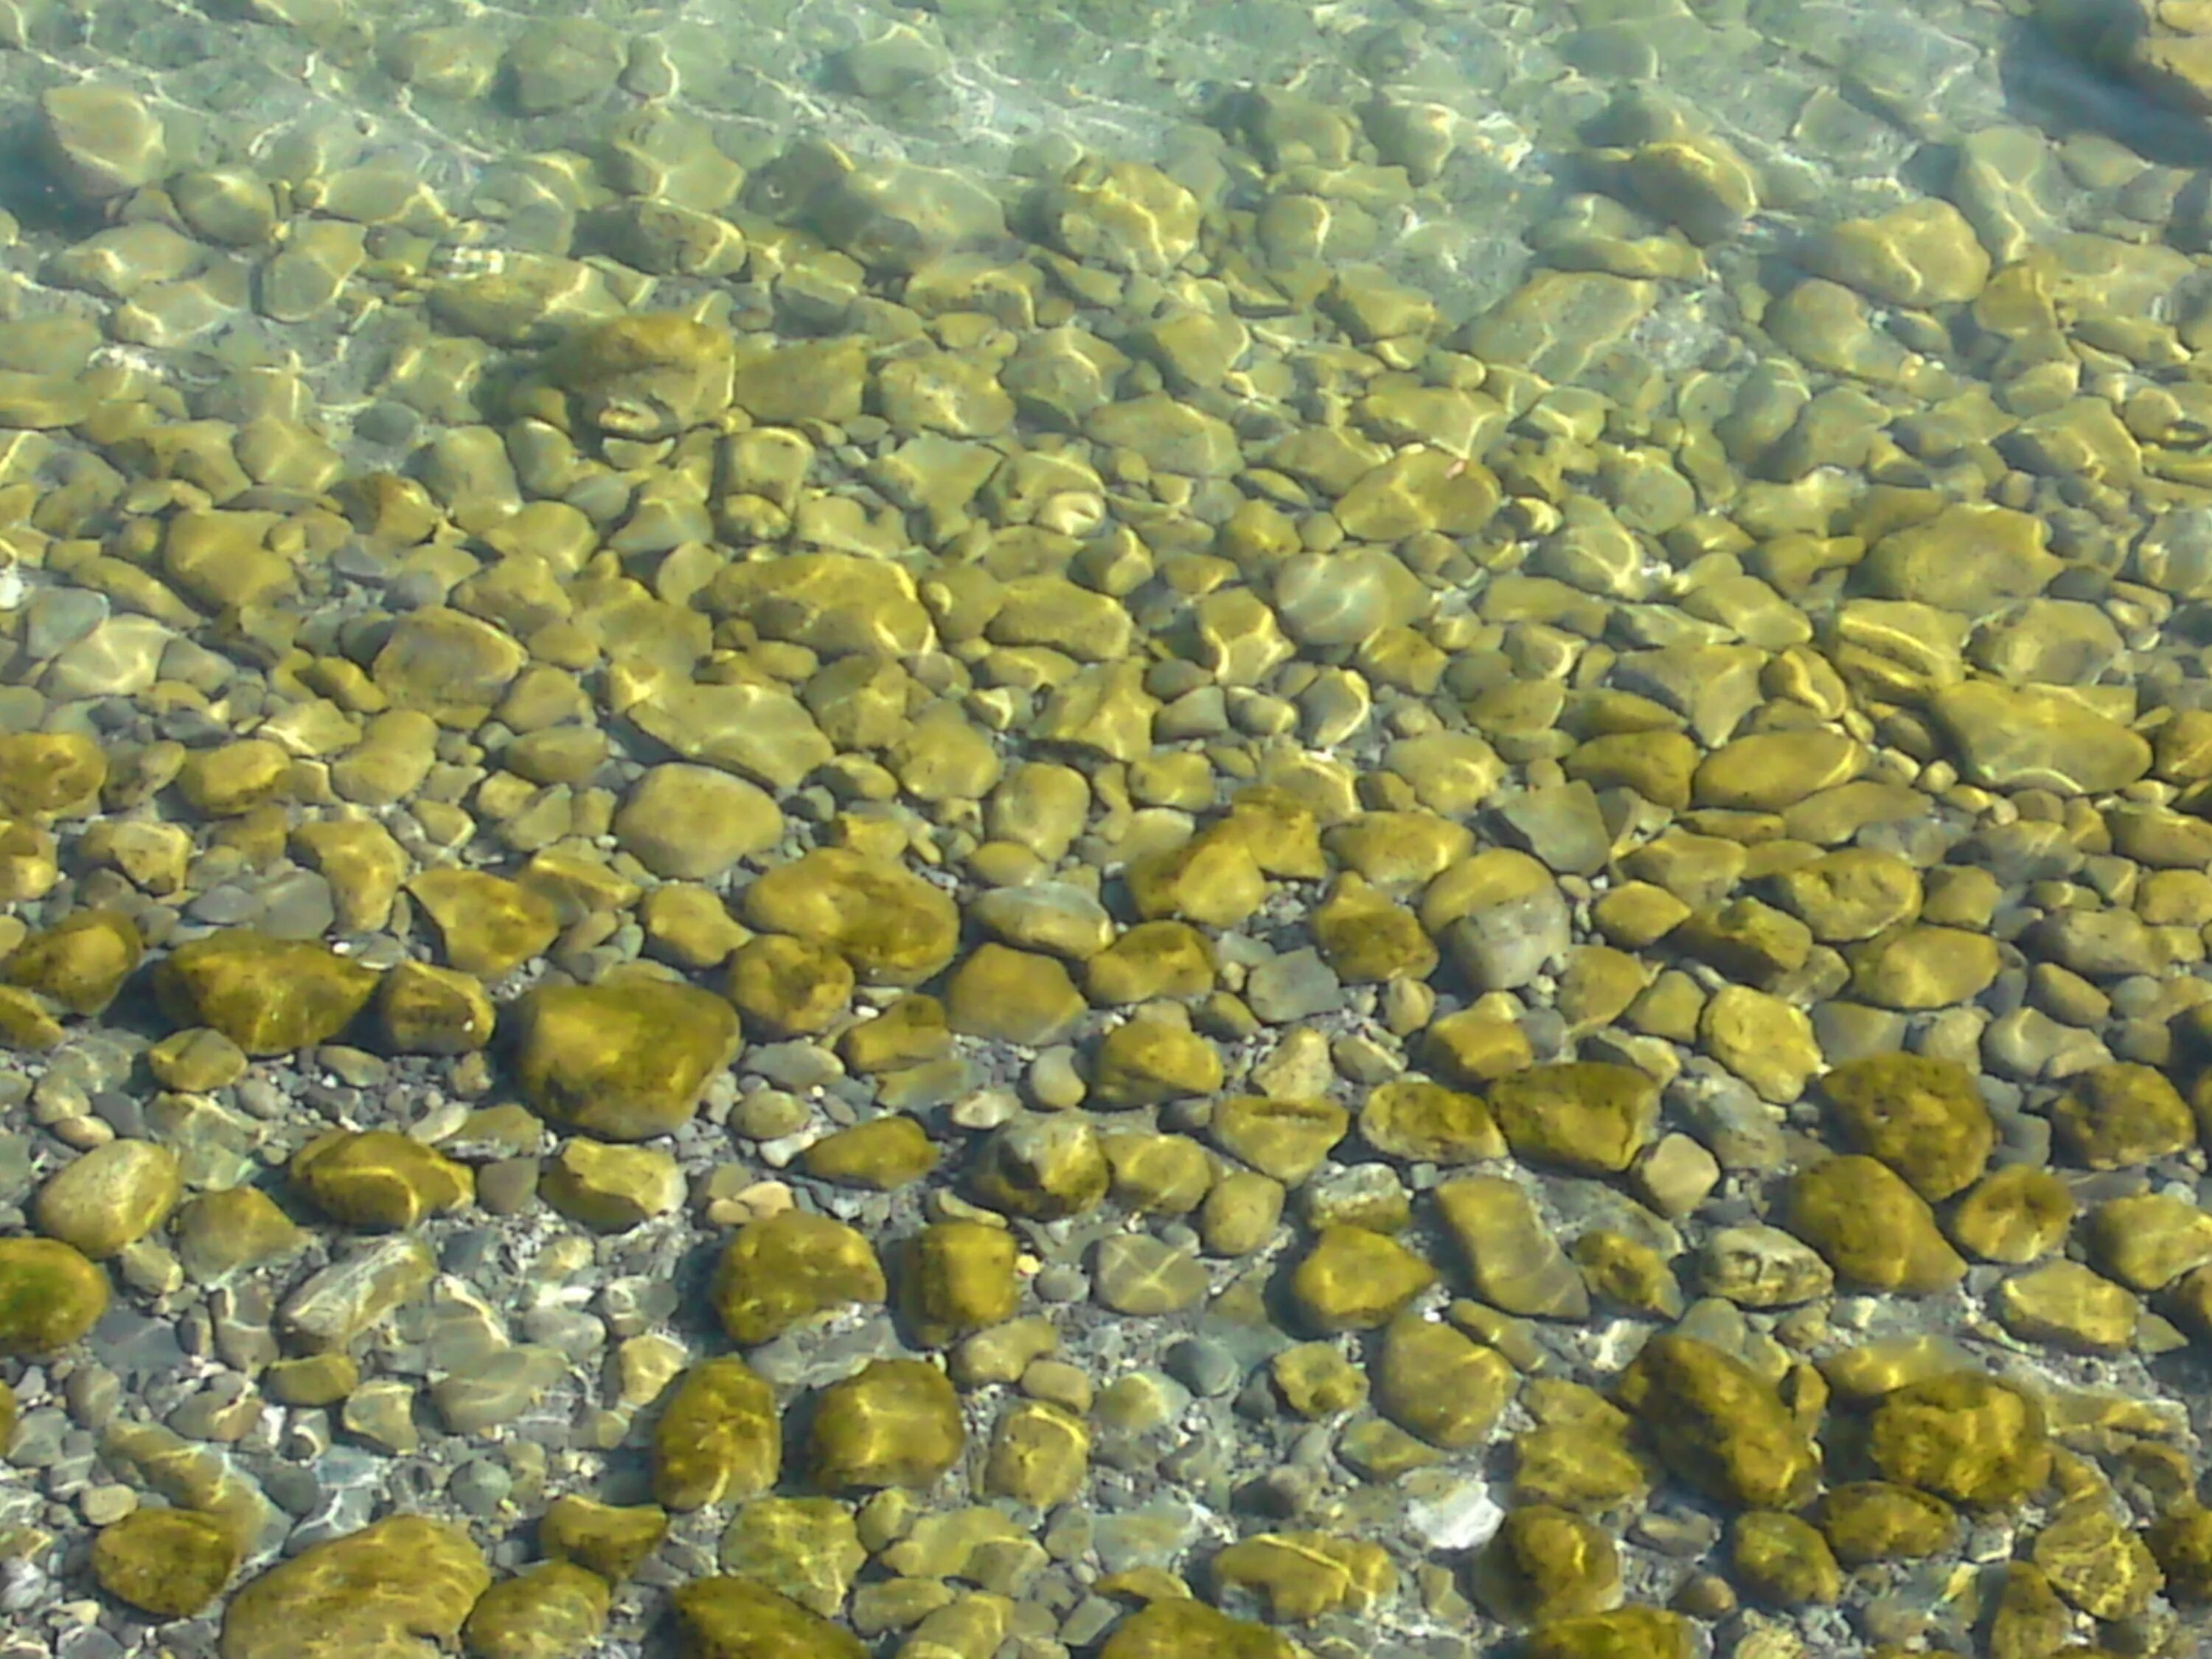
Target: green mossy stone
[
  {"x": 371, "y": 1591},
  {"x": 789, "y": 1267},
  {"x": 2121, "y": 1114},
  {"x": 1878, "y": 1521},
  {"x": 1587, "y": 1116},
  {"x": 1422, "y": 1121},
  {"x": 1179, "y": 1629},
  {"x": 1963, "y": 1437},
  {"x": 2181, "y": 1541},
  {"x": 2095, "y": 1561},
  {"x": 806, "y": 1548},
  {"x": 269, "y": 996},
  {"x": 882, "y": 1154},
  {"x": 1719, "y": 1425},
  {"x": 50, "y": 1295},
  {"x": 1872, "y": 1229},
  {"x": 112, "y": 1196},
  {"x": 1546, "y": 1563},
  {"x": 170, "y": 1563},
  {"x": 737, "y": 1619},
  {"x": 2015, "y": 1215},
  {"x": 553, "y": 1611},
  {"x": 379, "y": 1179},
  {"x": 80, "y": 961},
  {"x": 1624, "y": 1633},
  {"x": 220, "y": 1234},
  {"x": 1921, "y": 1116},
  {"x": 611, "y": 1540},
  {"x": 719, "y": 1438},
  {"x": 892, "y": 927},
  {"x": 1043, "y": 1167},
  {"x": 1783, "y": 1560},
  {"x": 611, "y": 1189},
  {"x": 1039, "y": 1454},
  {"x": 1301, "y": 1575},
  {"x": 1353, "y": 1279},
  {"x": 960, "y": 1277},
  {"x": 624, "y": 1059},
  {"x": 1433, "y": 1381},
  {"x": 894, "y": 1422}
]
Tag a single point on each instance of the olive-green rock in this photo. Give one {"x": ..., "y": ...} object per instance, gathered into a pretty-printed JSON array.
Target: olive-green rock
[
  {"x": 2063, "y": 1304},
  {"x": 1878, "y": 1521},
  {"x": 1874, "y": 1230},
  {"x": 487, "y": 924},
  {"x": 1919, "y": 967},
  {"x": 219, "y": 1234},
  {"x": 1002, "y": 995},
  {"x": 1284, "y": 1139},
  {"x": 2015, "y": 1214},
  {"x": 608, "y": 1539},
  {"x": 720, "y": 1437},
  {"x": 171, "y": 1563},
  {"x": 2181, "y": 1542},
  {"x": 374, "y": 1591},
  {"x": 882, "y": 1154},
  {"x": 894, "y": 1422},
  {"x": 269, "y": 996},
  {"x": 1424, "y": 1121},
  {"x": 379, "y": 1179},
  {"x": 806, "y": 1548},
  {"x": 1783, "y": 1560},
  {"x": 1043, "y": 1167},
  {"x": 1962, "y": 1435},
  {"x": 1174, "y": 1628},
  {"x": 1148, "y": 1062},
  {"x": 2096, "y": 1562},
  {"x": 789, "y": 1267},
  {"x": 1304, "y": 1575},
  {"x": 1435, "y": 1382},
  {"x": 689, "y": 823},
  {"x": 1039, "y": 1456},
  {"x": 612, "y": 1188},
  {"x": 425, "y": 1009},
  {"x": 49, "y": 775},
  {"x": 889, "y": 924},
  {"x": 960, "y": 1277},
  {"x": 1353, "y": 1279},
  {"x": 1717, "y": 1424},
  {"x": 80, "y": 961},
  {"x": 1513, "y": 1259},
  {"x": 1921, "y": 1116},
  {"x": 737, "y": 1618},
  {"x": 50, "y": 1295},
  {"x": 1588, "y": 1117},
  {"x": 554, "y": 1610},
  {"x": 1547, "y": 1563},
  {"x": 786, "y": 986},
  {"x": 112, "y": 1196},
  {"x": 624, "y": 1059},
  {"x": 2119, "y": 1114},
  {"x": 2148, "y": 1240},
  {"x": 1625, "y": 1633}
]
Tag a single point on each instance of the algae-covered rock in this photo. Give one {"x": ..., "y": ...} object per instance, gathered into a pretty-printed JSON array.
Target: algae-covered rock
[
  {"x": 2096, "y": 1562},
  {"x": 611, "y": 1539},
  {"x": 112, "y": 1196},
  {"x": 1355, "y": 1280},
  {"x": 806, "y": 1548},
  {"x": 1783, "y": 1560},
  {"x": 1424, "y": 1121},
  {"x": 379, "y": 1179},
  {"x": 1590, "y": 1116},
  {"x": 171, "y": 1563},
  {"x": 1717, "y": 1424},
  {"x": 1435, "y": 1382},
  {"x": 1921, "y": 1116},
  {"x": 889, "y": 924},
  {"x": 1870, "y": 1227},
  {"x": 2116, "y": 1115},
  {"x": 1547, "y": 1563},
  {"x": 894, "y": 1422},
  {"x": 959, "y": 1276},
  {"x": 1963, "y": 1437},
  {"x": 376, "y": 1591},
  {"x": 1304, "y": 1575},
  {"x": 1043, "y": 1166},
  {"x": 80, "y": 961},
  {"x": 1877, "y": 1521},
  {"x": 50, "y": 1295},
  {"x": 719, "y": 1438},
  {"x": 624, "y": 1059},
  {"x": 883, "y": 1154},
  {"x": 269, "y": 996},
  {"x": 737, "y": 1618},
  {"x": 553, "y": 1611},
  {"x": 612, "y": 1188},
  {"x": 1179, "y": 1629},
  {"x": 1624, "y": 1633},
  {"x": 1039, "y": 1454}
]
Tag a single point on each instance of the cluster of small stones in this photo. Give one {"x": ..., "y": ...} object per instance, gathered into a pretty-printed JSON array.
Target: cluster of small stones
[{"x": 987, "y": 922}]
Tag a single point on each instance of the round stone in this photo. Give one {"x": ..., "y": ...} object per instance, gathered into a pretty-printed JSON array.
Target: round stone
[
  {"x": 624, "y": 1059},
  {"x": 110, "y": 1197},
  {"x": 894, "y": 1422},
  {"x": 692, "y": 823},
  {"x": 50, "y": 1295},
  {"x": 168, "y": 1561}
]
